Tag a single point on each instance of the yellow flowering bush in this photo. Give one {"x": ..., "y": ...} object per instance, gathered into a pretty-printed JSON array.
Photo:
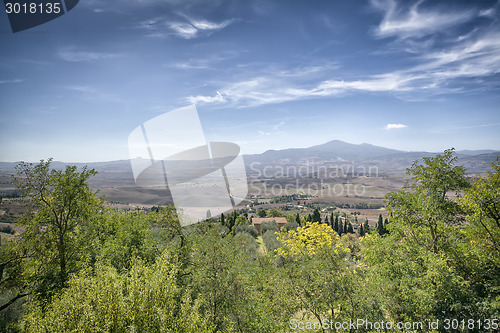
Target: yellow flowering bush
[{"x": 307, "y": 240}]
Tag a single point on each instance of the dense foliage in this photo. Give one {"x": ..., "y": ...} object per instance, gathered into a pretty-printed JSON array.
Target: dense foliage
[{"x": 80, "y": 267}]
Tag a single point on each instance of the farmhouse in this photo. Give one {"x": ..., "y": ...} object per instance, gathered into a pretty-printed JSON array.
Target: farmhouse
[{"x": 257, "y": 221}]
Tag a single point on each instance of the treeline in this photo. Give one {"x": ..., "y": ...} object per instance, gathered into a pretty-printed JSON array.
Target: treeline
[
  {"x": 313, "y": 205},
  {"x": 83, "y": 268},
  {"x": 289, "y": 198},
  {"x": 357, "y": 205},
  {"x": 10, "y": 195}
]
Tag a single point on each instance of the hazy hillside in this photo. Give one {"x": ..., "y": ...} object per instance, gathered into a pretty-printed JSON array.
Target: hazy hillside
[
  {"x": 331, "y": 153},
  {"x": 337, "y": 152}
]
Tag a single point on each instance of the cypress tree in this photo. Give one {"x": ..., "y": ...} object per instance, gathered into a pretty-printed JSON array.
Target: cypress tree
[
  {"x": 350, "y": 229},
  {"x": 316, "y": 216},
  {"x": 297, "y": 218},
  {"x": 336, "y": 224},
  {"x": 346, "y": 226},
  {"x": 385, "y": 226},
  {"x": 361, "y": 231},
  {"x": 366, "y": 226},
  {"x": 341, "y": 228},
  {"x": 380, "y": 225},
  {"x": 232, "y": 219},
  {"x": 222, "y": 219}
]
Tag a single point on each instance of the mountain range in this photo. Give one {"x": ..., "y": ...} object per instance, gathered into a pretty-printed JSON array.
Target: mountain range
[
  {"x": 336, "y": 152},
  {"x": 331, "y": 153}
]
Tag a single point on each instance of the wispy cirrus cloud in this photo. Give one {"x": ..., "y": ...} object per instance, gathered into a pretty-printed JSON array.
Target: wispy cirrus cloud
[
  {"x": 394, "y": 126},
  {"x": 456, "y": 65},
  {"x": 195, "y": 28},
  {"x": 489, "y": 12},
  {"x": 411, "y": 21},
  {"x": 273, "y": 88},
  {"x": 91, "y": 93},
  {"x": 72, "y": 55},
  {"x": 207, "y": 62},
  {"x": 438, "y": 73},
  {"x": 187, "y": 28}
]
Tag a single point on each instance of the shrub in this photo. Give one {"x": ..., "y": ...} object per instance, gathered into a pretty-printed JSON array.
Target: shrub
[
  {"x": 270, "y": 241},
  {"x": 7, "y": 229},
  {"x": 265, "y": 226},
  {"x": 249, "y": 229},
  {"x": 292, "y": 225}
]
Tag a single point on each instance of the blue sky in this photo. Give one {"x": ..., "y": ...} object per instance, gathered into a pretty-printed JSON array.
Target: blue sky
[{"x": 264, "y": 74}]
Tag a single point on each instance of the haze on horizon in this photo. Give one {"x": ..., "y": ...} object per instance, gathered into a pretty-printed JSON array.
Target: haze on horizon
[{"x": 413, "y": 76}]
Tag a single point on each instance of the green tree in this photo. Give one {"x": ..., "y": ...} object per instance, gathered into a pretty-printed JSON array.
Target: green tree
[
  {"x": 119, "y": 238},
  {"x": 380, "y": 225},
  {"x": 423, "y": 210},
  {"x": 411, "y": 283},
  {"x": 316, "y": 217},
  {"x": 427, "y": 266},
  {"x": 270, "y": 241},
  {"x": 245, "y": 228},
  {"x": 271, "y": 225},
  {"x": 361, "y": 231},
  {"x": 261, "y": 213},
  {"x": 273, "y": 212},
  {"x": 62, "y": 209},
  {"x": 366, "y": 226},
  {"x": 241, "y": 220},
  {"x": 143, "y": 299},
  {"x": 481, "y": 203},
  {"x": 226, "y": 292},
  {"x": 478, "y": 254},
  {"x": 231, "y": 220}
]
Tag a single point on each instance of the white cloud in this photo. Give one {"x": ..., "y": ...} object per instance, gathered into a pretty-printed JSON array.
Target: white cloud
[
  {"x": 413, "y": 22},
  {"x": 207, "y": 62},
  {"x": 435, "y": 75},
  {"x": 278, "y": 125},
  {"x": 275, "y": 88},
  {"x": 206, "y": 99},
  {"x": 188, "y": 28},
  {"x": 394, "y": 126},
  {"x": 77, "y": 56},
  {"x": 447, "y": 69},
  {"x": 220, "y": 96},
  {"x": 490, "y": 12},
  {"x": 195, "y": 27},
  {"x": 183, "y": 30},
  {"x": 192, "y": 64},
  {"x": 207, "y": 25}
]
